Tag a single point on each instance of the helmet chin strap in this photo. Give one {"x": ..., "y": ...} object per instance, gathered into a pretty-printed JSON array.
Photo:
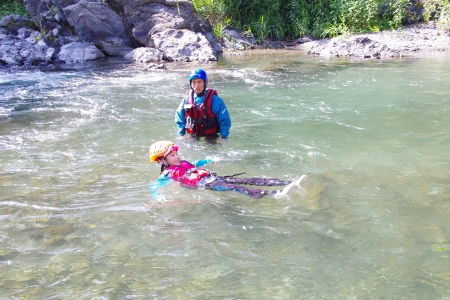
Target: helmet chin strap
[{"x": 164, "y": 164}]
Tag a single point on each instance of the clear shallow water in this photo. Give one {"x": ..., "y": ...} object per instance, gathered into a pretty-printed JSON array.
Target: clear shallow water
[{"x": 77, "y": 220}]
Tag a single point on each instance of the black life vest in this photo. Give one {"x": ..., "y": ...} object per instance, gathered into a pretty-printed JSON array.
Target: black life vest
[{"x": 200, "y": 121}]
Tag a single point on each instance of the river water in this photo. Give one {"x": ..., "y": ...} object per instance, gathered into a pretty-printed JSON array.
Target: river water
[{"x": 78, "y": 221}]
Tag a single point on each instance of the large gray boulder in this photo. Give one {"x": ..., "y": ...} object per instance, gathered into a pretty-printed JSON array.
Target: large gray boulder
[
  {"x": 183, "y": 45},
  {"x": 12, "y": 24},
  {"x": 21, "y": 43},
  {"x": 97, "y": 23},
  {"x": 233, "y": 40},
  {"x": 116, "y": 27},
  {"x": 79, "y": 52},
  {"x": 19, "y": 52},
  {"x": 145, "y": 55},
  {"x": 151, "y": 17}
]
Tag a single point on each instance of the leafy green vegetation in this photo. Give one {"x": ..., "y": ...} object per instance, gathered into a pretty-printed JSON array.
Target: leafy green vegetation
[
  {"x": 289, "y": 19},
  {"x": 12, "y": 7},
  {"x": 439, "y": 11}
]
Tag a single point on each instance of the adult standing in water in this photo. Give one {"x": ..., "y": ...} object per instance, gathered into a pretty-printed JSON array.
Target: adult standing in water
[{"x": 202, "y": 112}]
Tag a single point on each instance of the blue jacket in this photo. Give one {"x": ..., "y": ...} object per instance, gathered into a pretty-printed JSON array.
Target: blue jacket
[
  {"x": 163, "y": 180},
  {"x": 218, "y": 108}
]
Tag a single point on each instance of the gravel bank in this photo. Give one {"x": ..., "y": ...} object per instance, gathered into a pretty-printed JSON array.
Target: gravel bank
[{"x": 393, "y": 43}]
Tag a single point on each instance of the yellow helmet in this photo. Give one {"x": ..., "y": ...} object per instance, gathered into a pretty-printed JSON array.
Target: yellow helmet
[{"x": 160, "y": 149}]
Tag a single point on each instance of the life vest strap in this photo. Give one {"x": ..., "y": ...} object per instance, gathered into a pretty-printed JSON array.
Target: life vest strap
[{"x": 228, "y": 176}]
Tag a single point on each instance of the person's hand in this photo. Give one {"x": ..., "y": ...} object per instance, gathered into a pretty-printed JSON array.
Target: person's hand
[
  {"x": 212, "y": 159},
  {"x": 205, "y": 161}
]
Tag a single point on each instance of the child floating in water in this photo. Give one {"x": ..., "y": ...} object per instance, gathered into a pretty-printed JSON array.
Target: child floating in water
[{"x": 191, "y": 175}]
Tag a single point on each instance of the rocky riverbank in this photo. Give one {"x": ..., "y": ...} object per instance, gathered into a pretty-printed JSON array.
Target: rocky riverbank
[
  {"x": 165, "y": 31},
  {"x": 148, "y": 32},
  {"x": 386, "y": 44}
]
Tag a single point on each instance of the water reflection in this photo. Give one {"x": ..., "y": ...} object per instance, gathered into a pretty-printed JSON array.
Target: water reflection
[{"x": 78, "y": 220}]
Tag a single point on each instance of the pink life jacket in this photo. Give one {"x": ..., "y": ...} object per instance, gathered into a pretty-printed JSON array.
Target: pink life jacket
[{"x": 186, "y": 173}]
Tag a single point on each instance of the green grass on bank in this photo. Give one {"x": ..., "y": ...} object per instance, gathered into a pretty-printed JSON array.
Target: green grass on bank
[
  {"x": 290, "y": 19},
  {"x": 12, "y": 7}
]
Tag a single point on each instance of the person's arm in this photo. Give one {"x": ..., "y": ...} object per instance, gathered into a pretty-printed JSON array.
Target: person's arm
[
  {"x": 202, "y": 162},
  {"x": 161, "y": 181},
  {"x": 219, "y": 108},
  {"x": 180, "y": 118}
]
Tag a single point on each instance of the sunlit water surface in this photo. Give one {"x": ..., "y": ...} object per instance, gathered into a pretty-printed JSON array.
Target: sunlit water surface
[{"x": 78, "y": 221}]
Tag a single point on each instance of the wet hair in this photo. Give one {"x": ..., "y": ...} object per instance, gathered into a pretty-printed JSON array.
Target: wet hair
[{"x": 164, "y": 165}]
